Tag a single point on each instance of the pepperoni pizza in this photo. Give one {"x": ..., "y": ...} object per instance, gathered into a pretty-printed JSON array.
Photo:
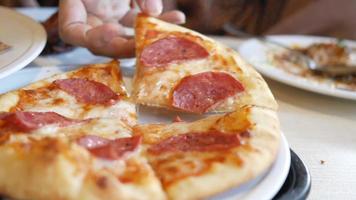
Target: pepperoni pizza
[
  {"x": 180, "y": 69},
  {"x": 75, "y": 135}
]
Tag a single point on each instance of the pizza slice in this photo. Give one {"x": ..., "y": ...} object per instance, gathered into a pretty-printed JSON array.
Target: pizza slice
[
  {"x": 78, "y": 167},
  {"x": 45, "y": 155},
  {"x": 89, "y": 92},
  {"x": 180, "y": 69},
  {"x": 203, "y": 158}
]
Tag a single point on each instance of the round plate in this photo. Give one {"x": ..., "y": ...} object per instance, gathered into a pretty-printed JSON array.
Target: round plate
[
  {"x": 255, "y": 52},
  {"x": 26, "y": 37}
]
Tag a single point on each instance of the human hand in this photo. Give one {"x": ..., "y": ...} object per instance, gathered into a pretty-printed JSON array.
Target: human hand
[{"x": 99, "y": 24}]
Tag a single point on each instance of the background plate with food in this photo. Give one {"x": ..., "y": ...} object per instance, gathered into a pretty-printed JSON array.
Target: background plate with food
[{"x": 280, "y": 64}]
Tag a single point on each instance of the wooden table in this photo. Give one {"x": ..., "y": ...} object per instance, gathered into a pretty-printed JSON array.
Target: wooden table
[{"x": 320, "y": 129}]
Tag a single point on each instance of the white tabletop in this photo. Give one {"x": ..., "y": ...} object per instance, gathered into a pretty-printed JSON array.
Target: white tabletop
[{"x": 320, "y": 129}]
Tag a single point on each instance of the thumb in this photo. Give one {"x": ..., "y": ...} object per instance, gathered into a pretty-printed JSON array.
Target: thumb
[{"x": 151, "y": 7}]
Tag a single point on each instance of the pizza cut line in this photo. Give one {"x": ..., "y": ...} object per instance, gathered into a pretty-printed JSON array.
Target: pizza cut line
[{"x": 75, "y": 135}]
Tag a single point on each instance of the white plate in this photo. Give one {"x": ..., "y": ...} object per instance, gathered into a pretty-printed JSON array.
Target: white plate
[
  {"x": 26, "y": 37},
  {"x": 263, "y": 187},
  {"x": 255, "y": 53}
]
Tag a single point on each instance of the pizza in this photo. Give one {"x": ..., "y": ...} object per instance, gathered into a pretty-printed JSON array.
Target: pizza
[
  {"x": 202, "y": 158},
  {"x": 79, "y": 166},
  {"x": 180, "y": 69},
  {"x": 76, "y": 135}
]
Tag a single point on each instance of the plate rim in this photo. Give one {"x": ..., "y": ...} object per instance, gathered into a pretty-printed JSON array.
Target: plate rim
[
  {"x": 293, "y": 80},
  {"x": 39, "y": 39}
]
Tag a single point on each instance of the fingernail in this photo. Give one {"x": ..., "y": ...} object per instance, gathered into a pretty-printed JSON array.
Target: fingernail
[
  {"x": 181, "y": 18},
  {"x": 153, "y": 7}
]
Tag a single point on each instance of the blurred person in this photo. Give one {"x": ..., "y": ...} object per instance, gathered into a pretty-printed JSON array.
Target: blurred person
[
  {"x": 335, "y": 18},
  {"x": 99, "y": 24},
  {"x": 83, "y": 23}
]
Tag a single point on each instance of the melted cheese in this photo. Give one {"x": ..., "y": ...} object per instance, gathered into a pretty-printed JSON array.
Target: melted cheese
[{"x": 121, "y": 110}]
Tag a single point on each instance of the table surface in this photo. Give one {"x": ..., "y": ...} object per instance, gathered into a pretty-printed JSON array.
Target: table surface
[{"x": 320, "y": 129}]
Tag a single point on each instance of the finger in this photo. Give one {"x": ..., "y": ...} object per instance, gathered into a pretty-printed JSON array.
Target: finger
[
  {"x": 72, "y": 22},
  {"x": 129, "y": 19},
  {"x": 150, "y": 7},
  {"x": 174, "y": 16},
  {"x": 100, "y": 36},
  {"x": 118, "y": 47}
]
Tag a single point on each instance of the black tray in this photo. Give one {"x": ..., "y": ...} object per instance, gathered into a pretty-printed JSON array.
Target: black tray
[{"x": 298, "y": 182}]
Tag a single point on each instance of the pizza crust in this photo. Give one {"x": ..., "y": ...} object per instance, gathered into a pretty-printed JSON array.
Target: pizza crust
[
  {"x": 103, "y": 184},
  {"x": 42, "y": 169}
]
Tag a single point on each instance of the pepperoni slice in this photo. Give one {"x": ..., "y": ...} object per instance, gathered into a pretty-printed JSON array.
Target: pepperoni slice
[
  {"x": 171, "y": 50},
  {"x": 209, "y": 141},
  {"x": 87, "y": 91},
  {"x": 109, "y": 149},
  {"x": 197, "y": 93},
  {"x": 29, "y": 121}
]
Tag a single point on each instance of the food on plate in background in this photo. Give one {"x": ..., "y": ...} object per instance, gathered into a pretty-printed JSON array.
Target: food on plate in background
[
  {"x": 323, "y": 54},
  {"x": 328, "y": 54}
]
